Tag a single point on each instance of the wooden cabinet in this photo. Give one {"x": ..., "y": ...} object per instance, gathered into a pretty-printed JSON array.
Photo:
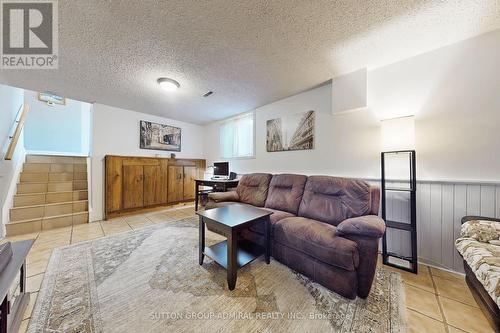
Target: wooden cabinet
[
  {"x": 133, "y": 186},
  {"x": 181, "y": 182},
  {"x": 190, "y": 174},
  {"x": 175, "y": 183},
  {"x": 152, "y": 185},
  {"x": 134, "y": 183}
]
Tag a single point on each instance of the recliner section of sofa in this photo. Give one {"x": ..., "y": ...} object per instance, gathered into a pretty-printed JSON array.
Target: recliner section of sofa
[
  {"x": 253, "y": 188},
  {"x": 319, "y": 240},
  {"x": 285, "y": 192},
  {"x": 332, "y": 200},
  {"x": 324, "y": 227}
]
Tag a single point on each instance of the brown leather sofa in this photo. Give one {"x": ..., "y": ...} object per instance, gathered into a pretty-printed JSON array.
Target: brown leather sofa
[{"x": 326, "y": 228}]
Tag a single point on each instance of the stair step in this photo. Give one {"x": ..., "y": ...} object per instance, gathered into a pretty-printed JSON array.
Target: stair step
[
  {"x": 52, "y": 192},
  {"x": 52, "y": 203},
  {"x": 27, "y": 213},
  {"x": 80, "y": 218},
  {"x": 57, "y": 221},
  {"x": 57, "y": 186},
  {"x": 32, "y": 199},
  {"x": 23, "y": 221},
  {"x": 65, "y": 220},
  {"x": 29, "y": 199},
  {"x": 34, "y": 177},
  {"x": 53, "y": 167},
  {"x": 32, "y": 188},
  {"x": 47, "y": 210},
  {"x": 23, "y": 227},
  {"x": 55, "y": 159},
  {"x": 53, "y": 197},
  {"x": 37, "y": 225},
  {"x": 79, "y": 214},
  {"x": 45, "y": 177}
]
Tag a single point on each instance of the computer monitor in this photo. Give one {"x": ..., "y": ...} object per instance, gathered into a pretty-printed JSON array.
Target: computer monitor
[{"x": 221, "y": 169}]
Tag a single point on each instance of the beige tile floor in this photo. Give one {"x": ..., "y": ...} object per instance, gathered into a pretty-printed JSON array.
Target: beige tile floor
[{"x": 436, "y": 300}]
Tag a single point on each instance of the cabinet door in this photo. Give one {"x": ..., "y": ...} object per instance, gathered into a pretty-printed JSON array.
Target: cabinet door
[
  {"x": 163, "y": 181},
  {"x": 189, "y": 177},
  {"x": 114, "y": 183},
  {"x": 152, "y": 185},
  {"x": 133, "y": 186},
  {"x": 175, "y": 183}
]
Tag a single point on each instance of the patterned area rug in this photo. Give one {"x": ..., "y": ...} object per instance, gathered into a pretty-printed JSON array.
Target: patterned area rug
[{"x": 150, "y": 281}]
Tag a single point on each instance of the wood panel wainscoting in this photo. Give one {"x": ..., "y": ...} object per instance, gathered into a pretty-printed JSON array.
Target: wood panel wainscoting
[{"x": 133, "y": 183}]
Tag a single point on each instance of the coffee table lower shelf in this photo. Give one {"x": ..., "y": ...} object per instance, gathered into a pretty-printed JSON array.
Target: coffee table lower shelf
[{"x": 247, "y": 252}]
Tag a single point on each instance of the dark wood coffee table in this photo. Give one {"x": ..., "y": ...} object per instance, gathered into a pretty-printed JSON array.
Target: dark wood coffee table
[{"x": 230, "y": 253}]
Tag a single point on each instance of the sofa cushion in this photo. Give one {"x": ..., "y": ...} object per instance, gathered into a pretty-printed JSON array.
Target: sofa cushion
[
  {"x": 252, "y": 188},
  {"x": 318, "y": 240},
  {"x": 285, "y": 192},
  {"x": 333, "y": 199},
  {"x": 275, "y": 217},
  {"x": 482, "y": 230}
]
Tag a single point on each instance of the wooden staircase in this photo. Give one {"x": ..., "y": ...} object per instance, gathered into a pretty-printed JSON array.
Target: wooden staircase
[{"x": 51, "y": 193}]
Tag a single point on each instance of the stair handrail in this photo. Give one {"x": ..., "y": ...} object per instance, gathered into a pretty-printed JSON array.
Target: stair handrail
[{"x": 19, "y": 125}]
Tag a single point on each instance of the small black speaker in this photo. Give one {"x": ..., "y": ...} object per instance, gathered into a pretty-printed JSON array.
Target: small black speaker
[{"x": 232, "y": 175}]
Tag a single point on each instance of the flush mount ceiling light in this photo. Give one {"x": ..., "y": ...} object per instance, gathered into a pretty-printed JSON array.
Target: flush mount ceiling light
[{"x": 168, "y": 84}]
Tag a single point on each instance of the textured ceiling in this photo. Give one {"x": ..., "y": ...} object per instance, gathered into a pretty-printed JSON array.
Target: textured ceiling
[{"x": 248, "y": 52}]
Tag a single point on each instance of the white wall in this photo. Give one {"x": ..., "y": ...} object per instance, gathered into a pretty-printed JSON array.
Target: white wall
[
  {"x": 116, "y": 132},
  {"x": 10, "y": 100},
  {"x": 454, "y": 93},
  {"x": 86, "y": 128},
  {"x": 345, "y": 144},
  {"x": 62, "y": 129}
]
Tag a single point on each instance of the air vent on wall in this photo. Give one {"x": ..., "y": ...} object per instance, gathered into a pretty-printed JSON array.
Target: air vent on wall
[{"x": 208, "y": 94}]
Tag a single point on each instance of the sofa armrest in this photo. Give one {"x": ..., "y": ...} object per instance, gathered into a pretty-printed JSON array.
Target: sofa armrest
[
  {"x": 366, "y": 232},
  {"x": 370, "y": 226},
  {"x": 470, "y": 218},
  {"x": 224, "y": 196}
]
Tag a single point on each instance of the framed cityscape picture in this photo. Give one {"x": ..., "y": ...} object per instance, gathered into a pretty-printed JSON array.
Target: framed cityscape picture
[
  {"x": 291, "y": 132},
  {"x": 160, "y": 137}
]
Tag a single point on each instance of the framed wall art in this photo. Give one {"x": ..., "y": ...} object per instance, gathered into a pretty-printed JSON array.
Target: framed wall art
[{"x": 159, "y": 137}]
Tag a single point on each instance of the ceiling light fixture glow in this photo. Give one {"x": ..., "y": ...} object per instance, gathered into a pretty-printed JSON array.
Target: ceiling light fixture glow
[{"x": 168, "y": 84}]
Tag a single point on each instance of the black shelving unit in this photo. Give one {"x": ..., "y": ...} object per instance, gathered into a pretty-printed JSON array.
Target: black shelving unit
[{"x": 410, "y": 227}]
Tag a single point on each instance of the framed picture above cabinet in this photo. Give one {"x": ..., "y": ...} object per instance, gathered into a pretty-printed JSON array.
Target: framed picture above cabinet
[{"x": 159, "y": 137}]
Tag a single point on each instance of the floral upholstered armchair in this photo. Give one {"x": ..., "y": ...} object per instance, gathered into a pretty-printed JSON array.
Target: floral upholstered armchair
[{"x": 479, "y": 245}]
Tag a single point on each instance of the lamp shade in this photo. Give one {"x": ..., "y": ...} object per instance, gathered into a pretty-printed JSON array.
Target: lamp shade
[{"x": 398, "y": 134}]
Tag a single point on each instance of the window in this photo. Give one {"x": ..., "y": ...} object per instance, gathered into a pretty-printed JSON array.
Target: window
[{"x": 237, "y": 137}]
